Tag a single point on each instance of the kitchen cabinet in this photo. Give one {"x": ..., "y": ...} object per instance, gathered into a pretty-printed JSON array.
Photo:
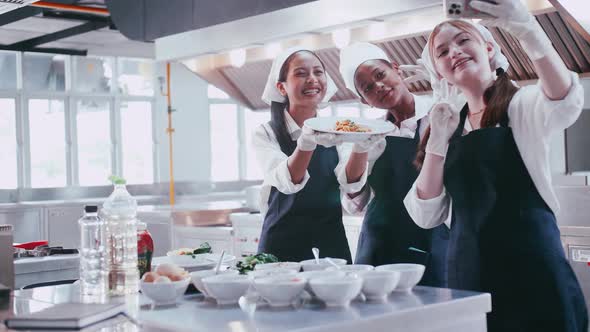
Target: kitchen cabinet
[
  {"x": 28, "y": 223},
  {"x": 220, "y": 238}
]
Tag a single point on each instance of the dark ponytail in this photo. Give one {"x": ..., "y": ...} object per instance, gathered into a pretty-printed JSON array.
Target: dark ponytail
[{"x": 497, "y": 98}]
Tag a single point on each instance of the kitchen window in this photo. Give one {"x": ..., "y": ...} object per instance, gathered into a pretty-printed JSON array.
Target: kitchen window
[
  {"x": 93, "y": 135},
  {"x": 47, "y": 143},
  {"x": 223, "y": 121},
  {"x": 8, "y": 153},
  {"x": 137, "y": 142},
  {"x": 253, "y": 119}
]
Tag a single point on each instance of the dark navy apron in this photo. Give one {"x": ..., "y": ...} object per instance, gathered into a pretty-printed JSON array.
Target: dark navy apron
[
  {"x": 389, "y": 235},
  {"x": 504, "y": 238},
  {"x": 310, "y": 218}
]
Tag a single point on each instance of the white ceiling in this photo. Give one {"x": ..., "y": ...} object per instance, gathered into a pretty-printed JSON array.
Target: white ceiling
[{"x": 100, "y": 42}]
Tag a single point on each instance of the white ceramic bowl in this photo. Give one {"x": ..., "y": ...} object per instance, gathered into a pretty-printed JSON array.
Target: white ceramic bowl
[
  {"x": 352, "y": 268},
  {"x": 165, "y": 293},
  {"x": 187, "y": 260},
  {"x": 311, "y": 265},
  {"x": 226, "y": 288},
  {"x": 197, "y": 278},
  {"x": 309, "y": 275},
  {"x": 270, "y": 272},
  {"x": 279, "y": 265},
  {"x": 410, "y": 275},
  {"x": 378, "y": 284},
  {"x": 337, "y": 291},
  {"x": 280, "y": 291}
]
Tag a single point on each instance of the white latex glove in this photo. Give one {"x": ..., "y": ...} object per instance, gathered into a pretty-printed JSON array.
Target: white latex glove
[
  {"x": 306, "y": 141},
  {"x": 368, "y": 144},
  {"x": 514, "y": 17},
  {"x": 444, "y": 119},
  {"x": 310, "y": 138},
  {"x": 421, "y": 73}
]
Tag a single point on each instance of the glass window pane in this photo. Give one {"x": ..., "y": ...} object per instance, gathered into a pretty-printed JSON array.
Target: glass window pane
[
  {"x": 8, "y": 180},
  {"x": 325, "y": 112},
  {"x": 44, "y": 72},
  {"x": 94, "y": 142},
  {"x": 8, "y": 70},
  {"x": 348, "y": 111},
  {"x": 136, "y": 77},
  {"x": 224, "y": 142},
  {"x": 374, "y": 113},
  {"x": 137, "y": 142},
  {"x": 251, "y": 121},
  {"x": 93, "y": 74},
  {"x": 214, "y": 92},
  {"x": 48, "y": 144}
]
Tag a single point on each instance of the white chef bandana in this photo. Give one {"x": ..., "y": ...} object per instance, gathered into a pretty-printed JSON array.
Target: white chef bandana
[
  {"x": 352, "y": 56},
  {"x": 271, "y": 93},
  {"x": 498, "y": 61}
]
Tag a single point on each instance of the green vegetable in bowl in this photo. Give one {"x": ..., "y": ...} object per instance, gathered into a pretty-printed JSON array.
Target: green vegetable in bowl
[
  {"x": 250, "y": 262},
  {"x": 204, "y": 248}
]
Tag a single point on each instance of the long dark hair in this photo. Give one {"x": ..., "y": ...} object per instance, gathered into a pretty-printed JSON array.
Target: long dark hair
[
  {"x": 497, "y": 97},
  {"x": 277, "y": 110}
]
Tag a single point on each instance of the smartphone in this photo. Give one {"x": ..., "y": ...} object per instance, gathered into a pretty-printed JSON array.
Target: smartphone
[{"x": 462, "y": 9}]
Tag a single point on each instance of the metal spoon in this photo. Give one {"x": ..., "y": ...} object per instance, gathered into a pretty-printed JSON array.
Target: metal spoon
[
  {"x": 219, "y": 262},
  {"x": 316, "y": 254},
  {"x": 329, "y": 260}
]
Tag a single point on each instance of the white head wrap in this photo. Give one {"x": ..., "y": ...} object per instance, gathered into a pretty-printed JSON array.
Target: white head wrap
[
  {"x": 498, "y": 61},
  {"x": 271, "y": 93},
  {"x": 352, "y": 56}
]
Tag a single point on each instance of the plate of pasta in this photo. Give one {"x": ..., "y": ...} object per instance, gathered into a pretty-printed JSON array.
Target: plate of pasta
[{"x": 351, "y": 129}]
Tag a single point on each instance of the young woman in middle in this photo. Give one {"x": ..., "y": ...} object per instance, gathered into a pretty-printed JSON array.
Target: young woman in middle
[
  {"x": 300, "y": 198},
  {"x": 388, "y": 233}
]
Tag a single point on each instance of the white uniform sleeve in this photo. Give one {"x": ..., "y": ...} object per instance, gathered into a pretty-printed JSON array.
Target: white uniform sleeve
[
  {"x": 428, "y": 213},
  {"x": 357, "y": 205},
  {"x": 537, "y": 116},
  {"x": 273, "y": 162},
  {"x": 344, "y": 151}
]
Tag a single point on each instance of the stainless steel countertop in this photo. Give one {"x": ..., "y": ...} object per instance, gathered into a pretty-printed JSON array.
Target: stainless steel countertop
[{"x": 419, "y": 310}]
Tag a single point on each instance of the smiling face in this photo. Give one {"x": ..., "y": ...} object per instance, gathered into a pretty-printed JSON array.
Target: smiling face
[
  {"x": 303, "y": 79},
  {"x": 380, "y": 84},
  {"x": 460, "y": 54}
]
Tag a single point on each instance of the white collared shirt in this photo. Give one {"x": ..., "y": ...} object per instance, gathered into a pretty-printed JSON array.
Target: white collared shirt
[
  {"x": 273, "y": 163},
  {"x": 407, "y": 129},
  {"x": 534, "y": 118}
]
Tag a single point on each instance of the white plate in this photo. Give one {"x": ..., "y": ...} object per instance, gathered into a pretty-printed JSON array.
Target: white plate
[
  {"x": 327, "y": 125},
  {"x": 208, "y": 261}
]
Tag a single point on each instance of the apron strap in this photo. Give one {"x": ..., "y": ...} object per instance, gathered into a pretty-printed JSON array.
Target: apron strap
[
  {"x": 459, "y": 131},
  {"x": 417, "y": 133}
]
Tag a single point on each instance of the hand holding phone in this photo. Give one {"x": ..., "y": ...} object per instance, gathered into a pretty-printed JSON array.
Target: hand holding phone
[{"x": 461, "y": 9}]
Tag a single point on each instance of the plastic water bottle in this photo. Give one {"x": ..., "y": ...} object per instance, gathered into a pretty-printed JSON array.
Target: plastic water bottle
[
  {"x": 119, "y": 213},
  {"x": 93, "y": 268}
]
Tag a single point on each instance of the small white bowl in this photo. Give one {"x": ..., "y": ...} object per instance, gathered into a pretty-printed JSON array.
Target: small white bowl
[
  {"x": 270, "y": 272},
  {"x": 280, "y": 291},
  {"x": 378, "y": 284},
  {"x": 311, "y": 265},
  {"x": 410, "y": 275},
  {"x": 187, "y": 260},
  {"x": 309, "y": 275},
  {"x": 352, "y": 268},
  {"x": 197, "y": 278},
  {"x": 279, "y": 265},
  {"x": 165, "y": 293},
  {"x": 226, "y": 288},
  {"x": 337, "y": 291}
]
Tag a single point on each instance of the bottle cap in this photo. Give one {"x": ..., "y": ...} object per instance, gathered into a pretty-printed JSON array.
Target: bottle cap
[
  {"x": 90, "y": 208},
  {"x": 141, "y": 226}
]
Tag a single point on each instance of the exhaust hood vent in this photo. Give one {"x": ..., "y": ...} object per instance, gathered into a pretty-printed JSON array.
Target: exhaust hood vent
[{"x": 9, "y": 5}]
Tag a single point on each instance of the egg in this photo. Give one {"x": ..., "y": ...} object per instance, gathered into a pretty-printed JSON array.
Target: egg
[
  {"x": 149, "y": 276},
  {"x": 168, "y": 269},
  {"x": 162, "y": 280}
]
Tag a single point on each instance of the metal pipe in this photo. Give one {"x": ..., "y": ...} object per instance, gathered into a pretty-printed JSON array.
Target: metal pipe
[
  {"x": 170, "y": 131},
  {"x": 71, "y": 8}
]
